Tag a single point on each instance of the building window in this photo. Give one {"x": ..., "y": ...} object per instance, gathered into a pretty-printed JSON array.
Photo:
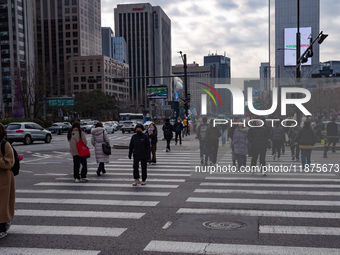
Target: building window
[
  {"x": 67, "y": 18},
  {"x": 75, "y": 42},
  {"x": 75, "y": 50},
  {"x": 98, "y": 69},
  {"x": 68, "y": 42},
  {"x": 83, "y": 79},
  {"x": 67, "y": 2},
  {"x": 74, "y": 18},
  {"x": 74, "y": 2},
  {"x": 67, "y": 26},
  {"x": 75, "y": 79},
  {"x": 83, "y": 69},
  {"x": 67, "y": 10},
  {"x": 74, "y": 26},
  {"x": 106, "y": 86},
  {"x": 99, "y": 78},
  {"x": 91, "y": 86},
  {"x": 109, "y": 87},
  {"x": 74, "y": 9},
  {"x": 76, "y": 69},
  {"x": 68, "y": 34},
  {"x": 83, "y": 86},
  {"x": 75, "y": 86},
  {"x": 99, "y": 86},
  {"x": 75, "y": 34},
  {"x": 68, "y": 50},
  {"x": 91, "y": 70}
]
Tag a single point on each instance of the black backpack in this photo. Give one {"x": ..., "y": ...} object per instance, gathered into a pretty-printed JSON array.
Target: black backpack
[
  {"x": 16, "y": 167},
  {"x": 168, "y": 130}
]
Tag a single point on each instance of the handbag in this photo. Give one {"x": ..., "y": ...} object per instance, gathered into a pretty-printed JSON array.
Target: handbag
[
  {"x": 106, "y": 147},
  {"x": 83, "y": 150}
]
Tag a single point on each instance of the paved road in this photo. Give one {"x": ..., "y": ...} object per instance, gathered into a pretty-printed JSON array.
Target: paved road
[{"x": 281, "y": 213}]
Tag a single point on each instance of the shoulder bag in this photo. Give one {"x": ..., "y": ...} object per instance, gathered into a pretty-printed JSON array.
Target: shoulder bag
[
  {"x": 106, "y": 147},
  {"x": 83, "y": 150}
]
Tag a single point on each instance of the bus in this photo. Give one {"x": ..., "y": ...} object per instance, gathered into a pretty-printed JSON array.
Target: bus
[{"x": 131, "y": 116}]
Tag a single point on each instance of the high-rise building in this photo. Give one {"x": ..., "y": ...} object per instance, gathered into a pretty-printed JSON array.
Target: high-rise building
[
  {"x": 17, "y": 52},
  {"x": 282, "y": 36},
  {"x": 119, "y": 49},
  {"x": 107, "y": 47},
  {"x": 64, "y": 29},
  {"x": 221, "y": 73},
  {"x": 147, "y": 32}
]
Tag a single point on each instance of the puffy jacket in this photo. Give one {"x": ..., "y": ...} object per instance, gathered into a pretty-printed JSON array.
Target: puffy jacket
[
  {"x": 240, "y": 141},
  {"x": 139, "y": 146},
  {"x": 178, "y": 124},
  {"x": 99, "y": 136},
  {"x": 202, "y": 131},
  {"x": 332, "y": 129},
  {"x": 213, "y": 133},
  {"x": 258, "y": 137},
  {"x": 153, "y": 137},
  {"x": 306, "y": 136},
  {"x": 277, "y": 134},
  {"x": 168, "y": 126}
]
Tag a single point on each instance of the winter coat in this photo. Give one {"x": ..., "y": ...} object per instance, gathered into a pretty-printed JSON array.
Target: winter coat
[
  {"x": 277, "y": 134},
  {"x": 319, "y": 125},
  {"x": 202, "y": 131},
  {"x": 178, "y": 124},
  {"x": 74, "y": 139},
  {"x": 153, "y": 137},
  {"x": 258, "y": 137},
  {"x": 231, "y": 131},
  {"x": 306, "y": 136},
  {"x": 7, "y": 185},
  {"x": 332, "y": 129},
  {"x": 166, "y": 126},
  {"x": 99, "y": 136},
  {"x": 240, "y": 141},
  {"x": 213, "y": 133},
  {"x": 139, "y": 146}
]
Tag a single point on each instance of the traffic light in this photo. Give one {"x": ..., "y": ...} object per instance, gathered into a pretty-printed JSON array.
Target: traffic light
[{"x": 117, "y": 80}]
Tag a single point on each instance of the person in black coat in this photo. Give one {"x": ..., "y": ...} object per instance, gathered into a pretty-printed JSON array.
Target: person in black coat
[
  {"x": 178, "y": 126},
  {"x": 258, "y": 138},
  {"x": 140, "y": 148},
  {"x": 332, "y": 130},
  {"x": 306, "y": 138},
  {"x": 152, "y": 134},
  {"x": 277, "y": 137},
  {"x": 168, "y": 129}
]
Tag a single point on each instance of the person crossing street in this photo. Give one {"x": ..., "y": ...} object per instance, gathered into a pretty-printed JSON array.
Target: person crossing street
[
  {"x": 178, "y": 130},
  {"x": 167, "y": 130}
]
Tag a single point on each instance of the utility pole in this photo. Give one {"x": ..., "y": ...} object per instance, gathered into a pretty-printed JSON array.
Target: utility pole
[
  {"x": 185, "y": 67},
  {"x": 298, "y": 54}
]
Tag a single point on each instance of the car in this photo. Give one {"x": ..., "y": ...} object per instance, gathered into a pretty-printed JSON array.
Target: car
[
  {"x": 60, "y": 127},
  {"x": 27, "y": 133},
  {"x": 128, "y": 126},
  {"x": 120, "y": 124},
  {"x": 115, "y": 124},
  {"x": 147, "y": 124},
  {"x": 87, "y": 126},
  {"x": 109, "y": 127}
]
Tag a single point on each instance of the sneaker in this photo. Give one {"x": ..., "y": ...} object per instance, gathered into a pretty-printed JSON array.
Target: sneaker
[
  {"x": 98, "y": 173},
  {"x": 135, "y": 183},
  {"x": 274, "y": 156},
  {"x": 84, "y": 179},
  {"x": 76, "y": 180},
  {"x": 8, "y": 225},
  {"x": 143, "y": 183},
  {"x": 3, "y": 234},
  {"x": 104, "y": 171}
]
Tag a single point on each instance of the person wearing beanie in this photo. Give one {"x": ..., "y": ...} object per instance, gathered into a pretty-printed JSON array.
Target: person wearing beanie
[{"x": 140, "y": 148}]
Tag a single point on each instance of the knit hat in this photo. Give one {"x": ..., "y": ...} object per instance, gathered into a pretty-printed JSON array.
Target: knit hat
[{"x": 139, "y": 126}]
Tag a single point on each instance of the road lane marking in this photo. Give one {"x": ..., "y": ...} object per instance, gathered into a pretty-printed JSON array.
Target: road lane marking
[
  {"x": 276, "y": 185},
  {"x": 165, "y": 186},
  {"x": 268, "y": 192},
  {"x": 299, "y": 230},
  {"x": 124, "y": 179},
  {"x": 41, "y": 251}
]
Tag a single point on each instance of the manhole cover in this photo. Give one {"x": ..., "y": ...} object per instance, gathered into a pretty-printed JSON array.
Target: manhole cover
[{"x": 224, "y": 225}]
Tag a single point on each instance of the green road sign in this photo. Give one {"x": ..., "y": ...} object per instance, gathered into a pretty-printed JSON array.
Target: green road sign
[
  {"x": 257, "y": 105},
  {"x": 61, "y": 102},
  {"x": 181, "y": 110}
]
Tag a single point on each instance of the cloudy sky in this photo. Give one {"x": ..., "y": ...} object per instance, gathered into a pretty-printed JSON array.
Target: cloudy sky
[{"x": 239, "y": 28}]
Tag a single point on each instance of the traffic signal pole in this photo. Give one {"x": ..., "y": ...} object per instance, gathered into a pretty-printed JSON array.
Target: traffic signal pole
[{"x": 185, "y": 66}]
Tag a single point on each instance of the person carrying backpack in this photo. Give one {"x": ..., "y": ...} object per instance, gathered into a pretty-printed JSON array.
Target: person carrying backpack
[
  {"x": 201, "y": 136},
  {"x": 7, "y": 185},
  {"x": 178, "y": 130},
  {"x": 319, "y": 126},
  {"x": 167, "y": 130}
]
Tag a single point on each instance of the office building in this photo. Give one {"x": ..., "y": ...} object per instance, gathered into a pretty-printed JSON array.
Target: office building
[
  {"x": 107, "y": 47},
  {"x": 120, "y": 49},
  {"x": 264, "y": 76},
  {"x": 147, "y": 32},
  {"x": 64, "y": 29},
  {"x": 282, "y": 37},
  {"x": 17, "y": 54},
  {"x": 220, "y": 71},
  {"x": 88, "y": 73}
]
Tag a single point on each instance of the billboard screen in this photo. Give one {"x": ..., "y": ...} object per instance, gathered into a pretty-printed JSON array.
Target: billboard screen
[
  {"x": 157, "y": 91},
  {"x": 290, "y": 44}
]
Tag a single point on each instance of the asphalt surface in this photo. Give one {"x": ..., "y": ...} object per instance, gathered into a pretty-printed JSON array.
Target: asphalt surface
[{"x": 281, "y": 213}]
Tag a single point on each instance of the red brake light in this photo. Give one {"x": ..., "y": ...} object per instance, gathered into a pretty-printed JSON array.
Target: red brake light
[{"x": 19, "y": 131}]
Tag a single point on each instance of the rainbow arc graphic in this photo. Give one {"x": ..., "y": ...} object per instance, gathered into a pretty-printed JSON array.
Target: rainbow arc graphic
[{"x": 209, "y": 93}]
